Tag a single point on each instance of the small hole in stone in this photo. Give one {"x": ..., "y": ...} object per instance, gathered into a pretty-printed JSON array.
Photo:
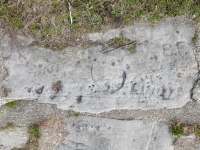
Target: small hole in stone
[{"x": 79, "y": 99}]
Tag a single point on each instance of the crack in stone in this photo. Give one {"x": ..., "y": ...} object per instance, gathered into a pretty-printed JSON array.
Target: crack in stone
[
  {"x": 194, "y": 86},
  {"x": 148, "y": 144}
]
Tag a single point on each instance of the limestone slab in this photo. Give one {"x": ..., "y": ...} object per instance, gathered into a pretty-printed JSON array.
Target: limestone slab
[
  {"x": 159, "y": 73},
  {"x": 89, "y": 133},
  {"x": 13, "y": 138}
]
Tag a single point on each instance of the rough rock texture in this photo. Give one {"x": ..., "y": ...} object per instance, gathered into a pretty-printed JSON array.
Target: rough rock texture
[
  {"x": 160, "y": 73},
  {"x": 89, "y": 133},
  {"x": 13, "y": 138},
  {"x": 187, "y": 143}
]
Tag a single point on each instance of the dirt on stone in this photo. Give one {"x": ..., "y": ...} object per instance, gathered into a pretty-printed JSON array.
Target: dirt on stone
[
  {"x": 186, "y": 143},
  {"x": 51, "y": 133}
]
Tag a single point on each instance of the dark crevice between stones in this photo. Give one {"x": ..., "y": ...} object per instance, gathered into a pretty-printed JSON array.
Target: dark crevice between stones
[
  {"x": 193, "y": 87},
  {"x": 198, "y": 65}
]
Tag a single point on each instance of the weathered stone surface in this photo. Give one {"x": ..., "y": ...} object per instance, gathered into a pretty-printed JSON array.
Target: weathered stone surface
[
  {"x": 13, "y": 138},
  {"x": 160, "y": 73},
  {"x": 89, "y": 133}
]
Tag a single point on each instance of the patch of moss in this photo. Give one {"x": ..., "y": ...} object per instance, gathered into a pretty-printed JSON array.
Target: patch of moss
[
  {"x": 197, "y": 130},
  {"x": 11, "y": 104},
  {"x": 74, "y": 114},
  {"x": 34, "y": 131},
  {"x": 177, "y": 129},
  {"x": 195, "y": 37}
]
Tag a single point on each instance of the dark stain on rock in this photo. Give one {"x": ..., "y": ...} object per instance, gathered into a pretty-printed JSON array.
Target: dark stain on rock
[
  {"x": 163, "y": 93},
  {"x": 133, "y": 90},
  {"x": 40, "y": 66},
  {"x": 77, "y": 63},
  {"x": 122, "y": 83},
  {"x": 113, "y": 63},
  {"x": 29, "y": 90},
  {"x": 52, "y": 97},
  {"x": 79, "y": 99},
  {"x": 39, "y": 90},
  {"x": 155, "y": 57},
  {"x": 127, "y": 66}
]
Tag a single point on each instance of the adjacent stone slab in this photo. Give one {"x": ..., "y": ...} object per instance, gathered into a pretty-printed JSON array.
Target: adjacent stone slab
[
  {"x": 13, "y": 138},
  {"x": 88, "y": 133},
  {"x": 159, "y": 73}
]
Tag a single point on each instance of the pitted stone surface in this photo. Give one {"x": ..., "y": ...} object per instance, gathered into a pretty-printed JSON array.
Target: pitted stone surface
[
  {"x": 88, "y": 133},
  {"x": 160, "y": 73}
]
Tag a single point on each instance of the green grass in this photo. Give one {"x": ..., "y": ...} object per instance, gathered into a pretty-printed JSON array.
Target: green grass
[
  {"x": 195, "y": 37},
  {"x": 15, "y": 22},
  {"x": 154, "y": 17},
  {"x": 120, "y": 41},
  {"x": 177, "y": 129},
  {"x": 197, "y": 130},
  {"x": 48, "y": 21},
  {"x": 131, "y": 2},
  {"x": 74, "y": 114},
  {"x": 34, "y": 131},
  {"x": 11, "y": 104},
  {"x": 139, "y": 14},
  {"x": 123, "y": 42},
  {"x": 116, "y": 11},
  {"x": 33, "y": 141}
]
